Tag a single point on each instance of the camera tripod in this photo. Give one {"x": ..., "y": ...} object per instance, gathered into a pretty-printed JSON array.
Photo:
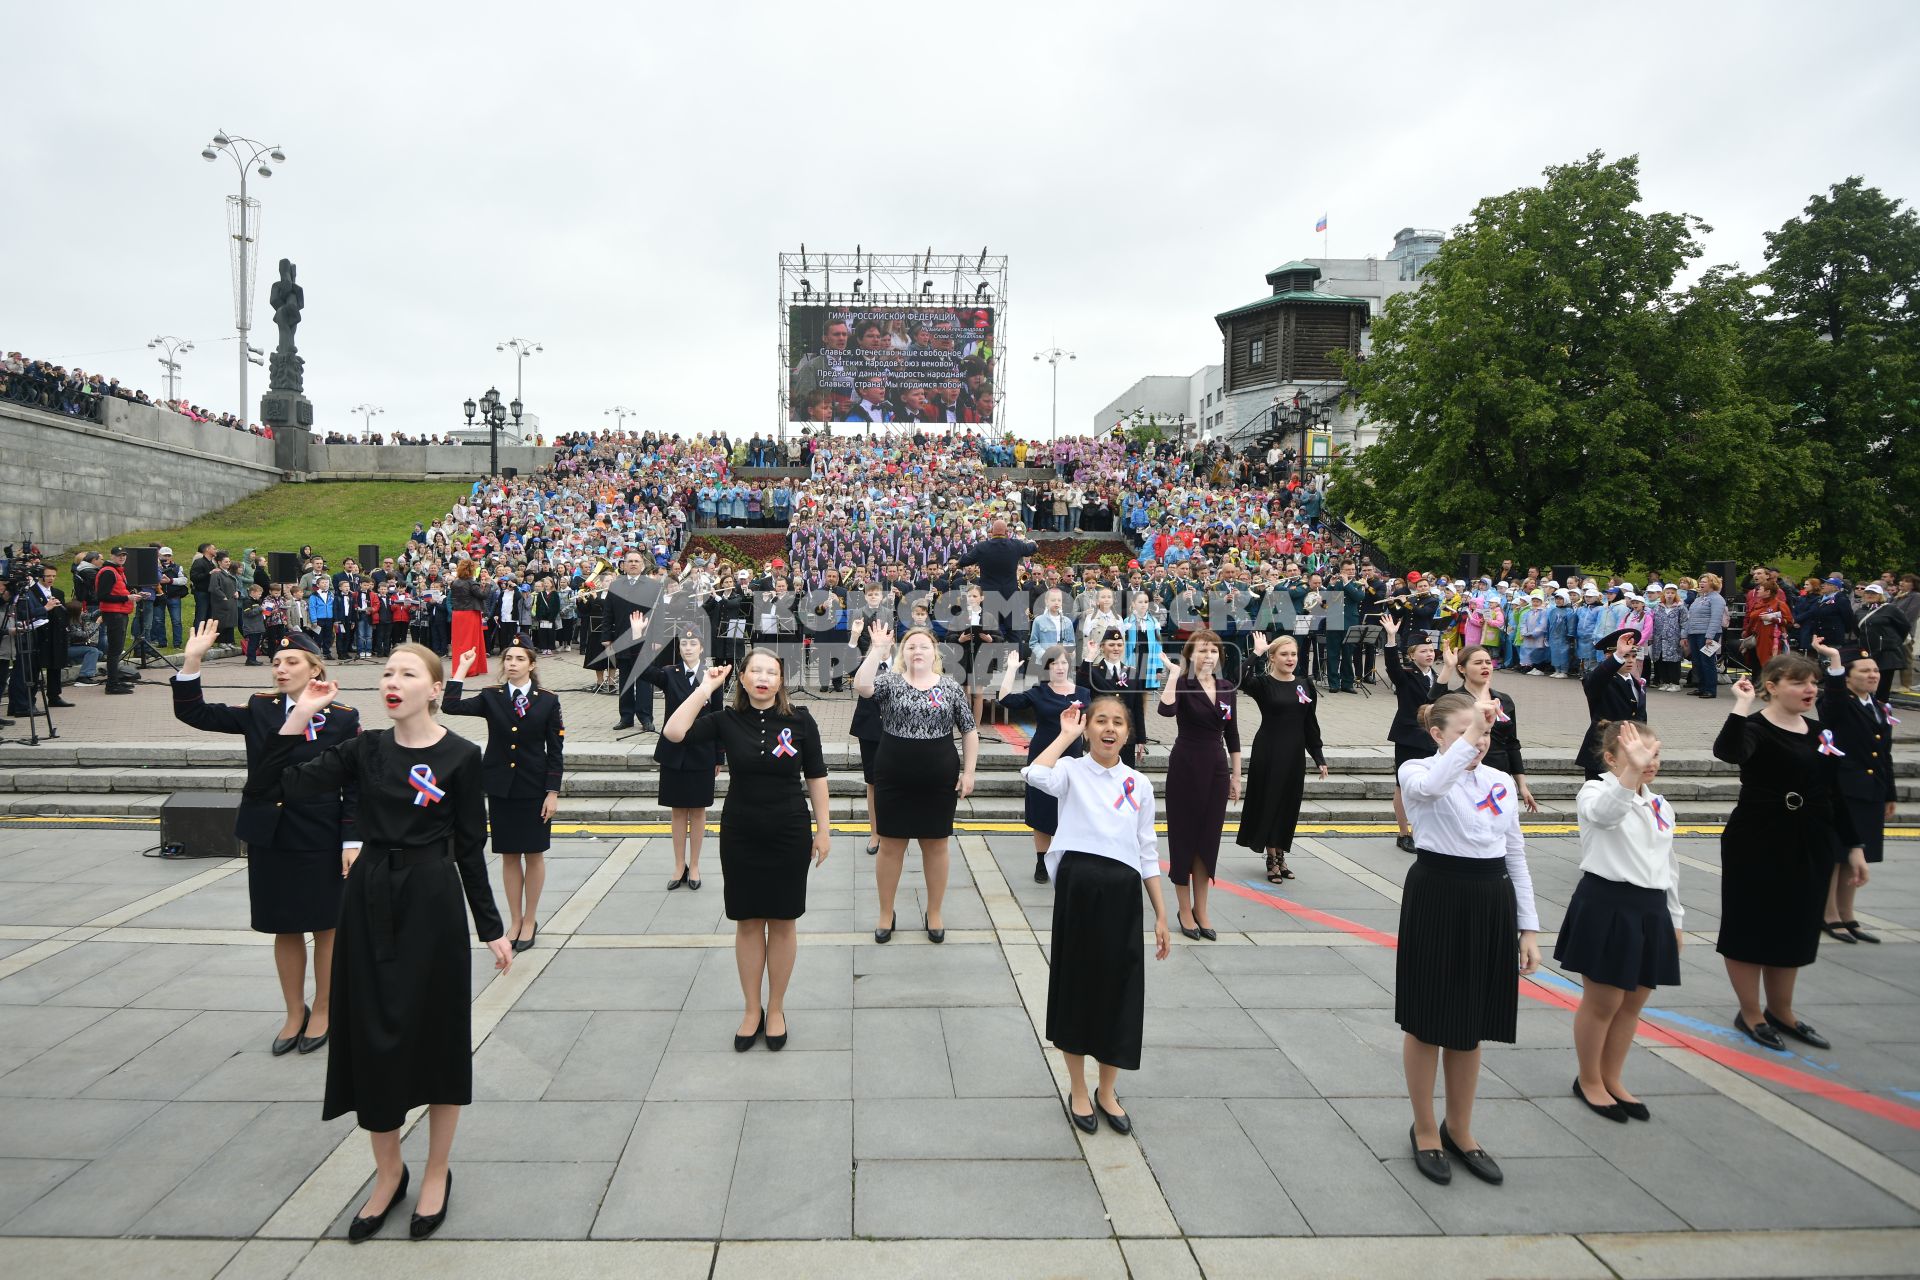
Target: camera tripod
[{"x": 33, "y": 674}]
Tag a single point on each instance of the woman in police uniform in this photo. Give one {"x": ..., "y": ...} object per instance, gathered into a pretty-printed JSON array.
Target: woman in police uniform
[
  {"x": 294, "y": 863},
  {"x": 526, "y": 741}
]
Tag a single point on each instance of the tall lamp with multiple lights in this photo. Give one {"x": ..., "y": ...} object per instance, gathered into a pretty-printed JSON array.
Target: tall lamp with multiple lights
[
  {"x": 366, "y": 412},
  {"x": 494, "y": 414},
  {"x": 1053, "y": 356},
  {"x": 521, "y": 348},
  {"x": 173, "y": 348},
  {"x": 243, "y": 230},
  {"x": 619, "y": 413}
]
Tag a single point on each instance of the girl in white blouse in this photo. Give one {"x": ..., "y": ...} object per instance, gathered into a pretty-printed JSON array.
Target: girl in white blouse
[
  {"x": 1466, "y": 897},
  {"x": 1102, "y": 851},
  {"x": 1622, "y": 931}
]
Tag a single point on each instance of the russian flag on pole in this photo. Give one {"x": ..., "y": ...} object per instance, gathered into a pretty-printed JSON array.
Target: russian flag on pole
[{"x": 1322, "y": 224}]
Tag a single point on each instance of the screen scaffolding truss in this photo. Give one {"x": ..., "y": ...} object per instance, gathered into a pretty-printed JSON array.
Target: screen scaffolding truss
[{"x": 862, "y": 279}]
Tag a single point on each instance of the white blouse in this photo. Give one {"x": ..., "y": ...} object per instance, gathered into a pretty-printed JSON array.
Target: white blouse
[
  {"x": 1468, "y": 812},
  {"x": 1628, "y": 836},
  {"x": 1106, "y": 812}
]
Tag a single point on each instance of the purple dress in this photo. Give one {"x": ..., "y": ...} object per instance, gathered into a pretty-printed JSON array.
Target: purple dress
[{"x": 1208, "y": 731}]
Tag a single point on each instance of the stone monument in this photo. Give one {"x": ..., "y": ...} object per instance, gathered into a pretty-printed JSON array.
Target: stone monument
[{"x": 285, "y": 407}]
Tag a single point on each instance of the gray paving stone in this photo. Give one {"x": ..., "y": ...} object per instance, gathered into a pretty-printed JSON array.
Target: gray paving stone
[
  {"x": 961, "y": 1129},
  {"x": 1203, "y": 1029},
  {"x": 1337, "y": 1060},
  {"x": 1035, "y": 1199},
  {"x": 135, "y": 976},
  {"x": 1241, "y": 960},
  {"x": 822, "y": 979},
  {"x": 755, "y": 1075},
  {"x": 1215, "y": 1073},
  {"x": 794, "y": 1177},
  {"x": 538, "y": 1132},
  {"x": 1305, "y": 991},
  {"x": 31, "y": 1030},
  {"x": 90, "y": 1054},
  {"x": 931, "y": 977},
  {"x": 56, "y": 973},
  {"x": 1214, "y": 1178},
  {"x": 24, "y": 1181},
  {"x": 1574, "y": 1193},
  {"x": 623, "y": 912},
  {"x": 256, "y": 1075},
  {"x": 240, "y": 1186},
  {"x": 589, "y": 979},
  {"x": 614, "y": 1057},
  {"x": 674, "y": 1177},
  {"x": 993, "y": 1054},
  {"x": 900, "y": 1053},
  {"x": 189, "y": 1131},
  {"x": 104, "y": 1199},
  {"x": 1181, "y": 982},
  {"x": 504, "y": 1200},
  {"x": 524, "y": 1052},
  {"x": 258, "y": 991},
  {"x": 1548, "y": 1073},
  {"x": 1333, "y": 1179},
  {"x": 1507, "y": 1127},
  {"x": 178, "y": 1061},
  {"x": 266, "y": 1260},
  {"x": 67, "y": 1128}
]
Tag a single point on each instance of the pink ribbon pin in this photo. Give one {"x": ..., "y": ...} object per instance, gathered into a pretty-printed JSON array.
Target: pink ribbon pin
[
  {"x": 1886, "y": 709},
  {"x": 1491, "y": 801},
  {"x": 425, "y": 790}
]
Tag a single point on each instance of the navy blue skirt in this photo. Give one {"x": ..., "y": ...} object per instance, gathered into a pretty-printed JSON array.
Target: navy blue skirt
[{"x": 1619, "y": 934}]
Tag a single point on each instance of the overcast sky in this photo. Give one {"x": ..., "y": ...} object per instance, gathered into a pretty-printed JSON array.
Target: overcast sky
[{"x": 616, "y": 180}]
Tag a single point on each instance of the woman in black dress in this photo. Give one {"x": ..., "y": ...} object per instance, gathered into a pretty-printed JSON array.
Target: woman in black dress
[
  {"x": 402, "y": 980},
  {"x": 765, "y": 843},
  {"x": 1046, "y": 701},
  {"x": 590, "y": 609},
  {"x": 524, "y": 763},
  {"x": 1416, "y": 682},
  {"x": 1476, "y": 664},
  {"x": 1289, "y": 732},
  {"x": 918, "y": 781},
  {"x": 687, "y": 769},
  {"x": 295, "y": 852},
  {"x": 1203, "y": 774},
  {"x": 1777, "y": 850}
]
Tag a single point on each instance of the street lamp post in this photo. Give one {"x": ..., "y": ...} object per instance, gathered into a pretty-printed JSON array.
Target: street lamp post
[
  {"x": 494, "y": 414},
  {"x": 366, "y": 412},
  {"x": 619, "y": 413},
  {"x": 243, "y": 224},
  {"x": 1053, "y": 356},
  {"x": 521, "y": 348},
  {"x": 174, "y": 349}
]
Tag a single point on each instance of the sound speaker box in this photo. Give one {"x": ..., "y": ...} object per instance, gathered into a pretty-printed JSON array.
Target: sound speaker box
[
  {"x": 143, "y": 567},
  {"x": 1563, "y": 573},
  {"x": 1729, "y": 571},
  {"x": 283, "y": 566},
  {"x": 200, "y": 824},
  {"x": 1469, "y": 565},
  {"x": 369, "y": 556},
  {"x": 509, "y": 472}
]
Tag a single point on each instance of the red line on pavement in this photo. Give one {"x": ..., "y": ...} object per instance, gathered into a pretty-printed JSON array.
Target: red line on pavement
[{"x": 1739, "y": 1060}]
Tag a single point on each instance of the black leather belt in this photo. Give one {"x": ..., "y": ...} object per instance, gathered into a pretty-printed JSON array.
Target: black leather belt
[{"x": 379, "y": 888}]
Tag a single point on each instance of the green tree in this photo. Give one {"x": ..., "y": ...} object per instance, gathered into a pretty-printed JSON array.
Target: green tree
[
  {"x": 1550, "y": 394},
  {"x": 1837, "y": 338}
]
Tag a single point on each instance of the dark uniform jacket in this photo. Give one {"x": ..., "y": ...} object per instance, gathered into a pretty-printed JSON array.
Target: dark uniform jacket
[
  {"x": 264, "y": 820},
  {"x": 524, "y": 756},
  {"x": 1412, "y": 691},
  {"x": 1864, "y": 736},
  {"x": 678, "y": 684},
  {"x": 1610, "y": 696}
]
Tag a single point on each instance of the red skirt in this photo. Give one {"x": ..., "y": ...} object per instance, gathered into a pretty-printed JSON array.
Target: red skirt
[{"x": 468, "y": 633}]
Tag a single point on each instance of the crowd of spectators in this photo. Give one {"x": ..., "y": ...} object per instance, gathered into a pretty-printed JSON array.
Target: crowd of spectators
[{"x": 77, "y": 394}]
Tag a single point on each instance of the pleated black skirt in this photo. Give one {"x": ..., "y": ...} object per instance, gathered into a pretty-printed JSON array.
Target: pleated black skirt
[
  {"x": 1456, "y": 977},
  {"x": 514, "y": 825},
  {"x": 1619, "y": 934},
  {"x": 686, "y": 788},
  {"x": 1097, "y": 987},
  {"x": 913, "y": 788},
  {"x": 293, "y": 890}
]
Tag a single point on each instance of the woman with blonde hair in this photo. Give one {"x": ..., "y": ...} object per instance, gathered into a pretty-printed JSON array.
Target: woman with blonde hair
[{"x": 1289, "y": 732}]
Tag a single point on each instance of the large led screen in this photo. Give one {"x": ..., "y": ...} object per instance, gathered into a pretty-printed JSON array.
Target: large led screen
[{"x": 908, "y": 365}]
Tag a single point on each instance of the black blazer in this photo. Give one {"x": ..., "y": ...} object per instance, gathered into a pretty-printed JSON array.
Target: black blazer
[
  {"x": 1412, "y": 692},
  {"x": 677, "y": 684},
  {"x": 264, "y": 820},
  {"x": 537, "y": 740},
  {"x": 1608, "y": 698},
  {"x": 1866, "y": 768}
]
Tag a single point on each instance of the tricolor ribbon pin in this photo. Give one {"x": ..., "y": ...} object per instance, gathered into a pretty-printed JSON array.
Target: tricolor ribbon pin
[
  {"x": 425, "y": 790},
  {"x": 1491, "y": 801},
  {"x": 1126, "y": 796},
  {"x": 1826, "y": 747},
  {"x": 1226, "y": 711},
  {"x": 1659, "y": 814},
  {"x": 1500, "y": 715},
  {"x": 1300, "y": 691},
  {"x": 1886, "y": 709},
  {"x": 315, "y": 725},
  {"x": 785, "y": 746},
  {"x": 520, "y": 704}
]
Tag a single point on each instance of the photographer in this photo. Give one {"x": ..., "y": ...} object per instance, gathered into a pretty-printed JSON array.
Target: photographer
[{"x": 115, "y": 603}]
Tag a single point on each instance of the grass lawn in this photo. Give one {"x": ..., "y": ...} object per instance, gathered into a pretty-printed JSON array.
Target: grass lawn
[{"x": 336, "y": 517}]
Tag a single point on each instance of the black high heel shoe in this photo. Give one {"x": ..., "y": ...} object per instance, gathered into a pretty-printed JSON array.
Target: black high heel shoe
[
  {"x": 743, "y": 1043},
  {"x": 936, "y": 935},
  {"x": 362, "y": 1228},
  {"x": 884, "y": 933},
  {"x": 520, "y": 945},
  {"x": 1193, "y": 934},
  {"x": 281, "y": 1048},
  {"x": 425, "y": 1224}
]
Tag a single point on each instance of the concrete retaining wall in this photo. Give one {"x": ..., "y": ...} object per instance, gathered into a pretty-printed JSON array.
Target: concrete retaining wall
[
  {"x": 416, "y": 461},
  {"x": 73, "y": 482}
]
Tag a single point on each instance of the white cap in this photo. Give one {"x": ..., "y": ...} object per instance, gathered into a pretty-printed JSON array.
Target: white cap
[
  {"x": 1875, "y": 587},
  {"x": 166, "y": 551}
]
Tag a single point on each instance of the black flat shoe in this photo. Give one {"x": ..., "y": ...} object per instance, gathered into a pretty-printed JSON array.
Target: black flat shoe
[
  {"x": 936, "y": 935},
  {"x": 1634, "y": 1110},
  {"x": 425, "y": 1224},
  {"x": 1433, "y": 1165},
  {"x": 1799, "y": 1031},
  {"x": 1403, "y": 843},
  {"x": 1118, "y": 1121},
  {"x": 1838, "y": 931},
  {"x": 883, "y": 934},
  {"x": 1478, "y": 1162},
  {"x": 362, "y": 1228},
  {"x": 743, "y": 1043},
  {"x": 872, "y": 850},
  {"x": 1612, "y": 1111},
  {"x": 778, "y": 1042},
  {"x": 1859, "y": 934},
  {"x": 1088, "y": 1123},
  {"x": 1763, "y": 1034},
  {"x": 1040, "y": 870},
  {"x": 281, "y": 1048}
]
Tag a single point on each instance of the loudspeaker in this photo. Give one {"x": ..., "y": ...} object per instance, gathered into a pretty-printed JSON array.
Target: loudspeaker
[
  {"x": 1469, "y": 565},
  {"x": 509, "y": 472},
  {"x": 369, "y": 556},
  {"x": 1563, "y": 573},
  {"x": 200, "y": 824},
  {"x": 143, "y": 567},
  {"x": 283, "y": 566},
  {"x": 1729, "y": 571}
]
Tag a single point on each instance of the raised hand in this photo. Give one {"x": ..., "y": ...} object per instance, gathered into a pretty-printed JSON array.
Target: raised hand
[
  {"x": 200, "y": 643},
  {"x": 467, "y": 659},
  {"x": 1744, "y": 696},
  {"x": 1638, "y": 747},
  {"x": 315, "y": 697},
  {"x": 882, "y": 641},
  {"x": 714, "y": 678},
  {"x": 1260, "y": 643},
  {"x": 1389, "y": 625},
  {"x": 1072, "y": 721}
]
